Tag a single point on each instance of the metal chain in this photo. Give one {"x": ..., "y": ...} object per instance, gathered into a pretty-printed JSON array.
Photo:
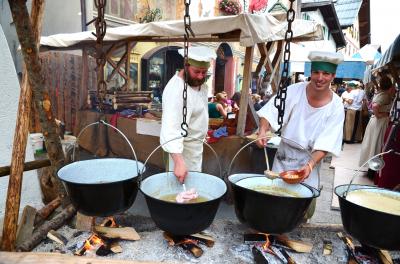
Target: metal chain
[
  {"x": 280, "y": 98},
  {"x": 101, "y": 26},
  {"x": 188, "y": 29}
]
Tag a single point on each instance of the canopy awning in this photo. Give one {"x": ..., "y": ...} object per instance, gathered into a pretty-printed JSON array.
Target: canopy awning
[
  {"x": 247, "y": 29},
  {"x": 392, "y": 55}
]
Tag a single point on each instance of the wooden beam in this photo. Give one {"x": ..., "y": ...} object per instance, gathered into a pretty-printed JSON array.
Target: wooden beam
[
  {"x": 117, "y": 67},
  {"x": 51, "y": 258},
  {"x": 248, "y": 60},
  {"x": 21, "y": 128},
  {"x": 128, "y": 65},
  {"x": 27, "y": 166}
]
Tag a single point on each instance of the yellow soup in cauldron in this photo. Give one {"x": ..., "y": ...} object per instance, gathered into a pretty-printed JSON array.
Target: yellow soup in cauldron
[
  {"x": 382, "y": 202},
  {"x": 274, "y": 190},
  {"x": 172, "y": 198}
]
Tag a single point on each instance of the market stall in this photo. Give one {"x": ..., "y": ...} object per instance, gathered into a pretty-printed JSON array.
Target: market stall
[
  {"x": 389, "y": 65},
  {"x": 249, "y": 30}
]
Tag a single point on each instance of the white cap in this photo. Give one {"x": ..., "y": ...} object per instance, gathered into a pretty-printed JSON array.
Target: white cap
[
  {"x": 324, "y": 60},
  {"x": 199, "y": 56}
]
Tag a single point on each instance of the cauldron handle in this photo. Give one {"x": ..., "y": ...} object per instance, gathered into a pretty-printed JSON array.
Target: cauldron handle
[
  {"x": 109, "y": 125},
  {"x": 180, "y": 137},
  {"x": 359, "y": 168},
  {"x": 254, "y": 140}
]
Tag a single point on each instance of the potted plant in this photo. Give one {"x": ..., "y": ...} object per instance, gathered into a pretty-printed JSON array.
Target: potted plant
[{"x": 230, "y": 7}]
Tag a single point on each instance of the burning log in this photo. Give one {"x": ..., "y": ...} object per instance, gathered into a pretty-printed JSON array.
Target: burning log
[
  {"x": 90, "y": 243},
  {"x": 203, "y": 238},
  {"x": 41, "y": 232},
  {"x": 127, "y": 233},
  {"x": 296, "y": 245},
  {"x": 185, "y": 243}
]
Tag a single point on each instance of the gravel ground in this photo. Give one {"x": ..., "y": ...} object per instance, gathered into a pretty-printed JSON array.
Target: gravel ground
[{"x": 229, "y": 246}]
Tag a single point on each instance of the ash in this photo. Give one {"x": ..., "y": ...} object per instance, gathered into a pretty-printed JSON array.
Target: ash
[{"x": 229, "y": 246}]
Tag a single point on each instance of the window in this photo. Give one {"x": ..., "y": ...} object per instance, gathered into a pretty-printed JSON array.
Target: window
[{"x": 125, "y": 9}]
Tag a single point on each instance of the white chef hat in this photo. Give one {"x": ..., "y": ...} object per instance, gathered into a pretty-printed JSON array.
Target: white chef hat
[
  {"x": 325, "y": 61},
  {"x": 199, "y": 56}
]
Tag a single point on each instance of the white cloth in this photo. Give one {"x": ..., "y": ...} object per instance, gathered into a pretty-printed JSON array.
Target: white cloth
[
  {"x": 326, "y": 56},
  {"x": 347, "y": 95},
  {"x": 197, "y": 120},
  {"x": 359, "y": 96},
  {"x": 306, "y": 126}
]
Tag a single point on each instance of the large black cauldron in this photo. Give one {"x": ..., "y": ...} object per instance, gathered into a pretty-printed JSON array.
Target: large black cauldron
[
  {"x": 182, "y": 218},
  {"x": 101, "y": 187},
  {"x": 368, "y": 226},
  {"x": 270, "y": 213}
]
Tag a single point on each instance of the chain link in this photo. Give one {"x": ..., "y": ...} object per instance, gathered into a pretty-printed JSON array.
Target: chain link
[
  {"x": 188, "y": 29},
  {"x": 280, "y": 98},
  {"x": 101, "y": 27}
]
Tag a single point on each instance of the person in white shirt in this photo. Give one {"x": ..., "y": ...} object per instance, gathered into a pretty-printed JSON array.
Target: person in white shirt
[
  {"x": 313, "y": 119},
  {"x": 353, "y": 124},
  {"x": 186, "y": 153},
  {"x": 347, "y": 96}
]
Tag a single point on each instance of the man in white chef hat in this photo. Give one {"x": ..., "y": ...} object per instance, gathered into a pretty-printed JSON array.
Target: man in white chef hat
[
  {"x": 186, "y": 153},
  {"x": 313, "y": 119}
]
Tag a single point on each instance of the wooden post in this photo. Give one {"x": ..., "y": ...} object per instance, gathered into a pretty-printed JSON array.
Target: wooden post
[
  {"x": 19, "y": 144},
  {"x": 244, "y": 98},
  {"x": 41, "y": 97},
  {"x": 128, "y": 65}
]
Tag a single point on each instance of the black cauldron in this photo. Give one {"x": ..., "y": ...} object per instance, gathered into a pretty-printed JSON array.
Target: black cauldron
[
  {"x": 269, "y": 213},
  {"x": 182, "y": 218},
  {"x": 101, "y": 187},
  {"x": 370, "y": 227}
]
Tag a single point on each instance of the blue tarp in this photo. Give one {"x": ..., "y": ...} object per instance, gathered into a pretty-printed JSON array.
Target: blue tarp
[{"x": 347, "y": 69}]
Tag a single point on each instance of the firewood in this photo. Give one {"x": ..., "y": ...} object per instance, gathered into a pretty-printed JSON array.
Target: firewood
[
  {"x": 115, "y": 247},
  {"x": 127, "y": 233},
  {"x": 84, "y": 222},
  {"x": 204, "y": 238},
  {"x": 41, "y": 232},
  {"x": 44, "y": 213},
  {"x": 26, "y": 224},
  {"x": 183, "y": 242},
  {"x": 385, "y": 257},
  {"x": 296, "y": 245},
  {"x": 56, "y": 237}
]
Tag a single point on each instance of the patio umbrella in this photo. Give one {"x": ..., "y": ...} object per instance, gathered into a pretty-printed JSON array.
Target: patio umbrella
[{"x": 368, "y": 53}]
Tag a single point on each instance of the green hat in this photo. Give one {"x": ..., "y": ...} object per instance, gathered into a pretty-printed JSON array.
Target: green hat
[{"x": 325, "y": 61}]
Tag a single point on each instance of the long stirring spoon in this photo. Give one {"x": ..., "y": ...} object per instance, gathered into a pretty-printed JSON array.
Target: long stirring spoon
[{"x": 268, "y": 173}]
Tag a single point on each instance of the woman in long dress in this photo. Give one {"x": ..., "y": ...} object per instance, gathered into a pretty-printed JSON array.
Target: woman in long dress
[{"x": 375, "y": 131}]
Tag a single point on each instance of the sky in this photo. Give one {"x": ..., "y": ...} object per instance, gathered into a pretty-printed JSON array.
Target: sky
[{"x": 385, "y": 20}]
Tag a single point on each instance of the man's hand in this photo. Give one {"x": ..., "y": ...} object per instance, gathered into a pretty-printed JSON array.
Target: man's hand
[
  {"x": 180, "y": 169},
  {"x": 306, "y": 170},
  {"x": 261, "y": 140},
  {"x": 262, "y": 133}
]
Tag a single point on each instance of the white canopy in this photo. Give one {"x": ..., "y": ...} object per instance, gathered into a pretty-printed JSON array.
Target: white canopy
[{"x": 248, "y": 29}]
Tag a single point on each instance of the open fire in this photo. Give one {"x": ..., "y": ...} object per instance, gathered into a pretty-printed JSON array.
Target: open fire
[
  {"x": 104, "y": 238},
  {"x": 190, "y": 243}
]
